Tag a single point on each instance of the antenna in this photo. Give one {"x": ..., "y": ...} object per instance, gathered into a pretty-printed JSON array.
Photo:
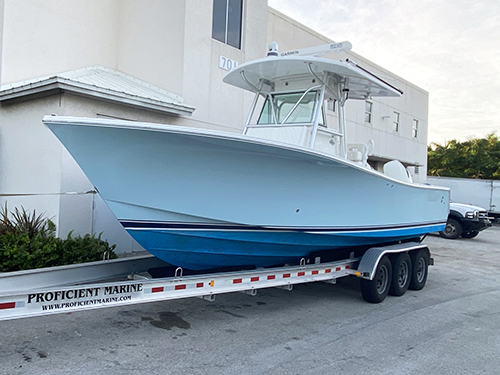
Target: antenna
[
  {"x": 273, "y": 49},
  {"x": 318, "y": 50}
]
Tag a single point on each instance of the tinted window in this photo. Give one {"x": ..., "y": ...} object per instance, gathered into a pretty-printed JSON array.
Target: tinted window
[
  {"x": 226, "y": 21},
  {"x": 219, "y": 20},
  {"x": 234, "y": 23}
]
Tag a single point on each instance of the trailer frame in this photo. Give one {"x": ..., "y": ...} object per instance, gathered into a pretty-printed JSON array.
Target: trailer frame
[{"x": 140, "y": 288}]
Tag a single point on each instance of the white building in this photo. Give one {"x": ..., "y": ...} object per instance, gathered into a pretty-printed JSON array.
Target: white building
[{"x": 158, "y": 61}]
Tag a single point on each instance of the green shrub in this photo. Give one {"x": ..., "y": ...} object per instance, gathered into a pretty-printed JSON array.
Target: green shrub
[
  {"x": 85, "y": 249},
  {"x": 28, "y": 241},
  {"x": 24, "y": 222},
  {"x": 19, "y": 251}
]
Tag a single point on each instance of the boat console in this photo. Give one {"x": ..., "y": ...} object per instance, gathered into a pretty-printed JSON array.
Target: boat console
[{"x": 291, "y": 92}]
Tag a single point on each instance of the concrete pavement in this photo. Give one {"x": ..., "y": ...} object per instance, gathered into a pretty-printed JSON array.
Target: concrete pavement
[{"x": 452, "y": 326}]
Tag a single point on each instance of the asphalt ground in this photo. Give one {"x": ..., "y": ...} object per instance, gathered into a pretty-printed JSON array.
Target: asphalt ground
[{"x": 452, "y": 326}]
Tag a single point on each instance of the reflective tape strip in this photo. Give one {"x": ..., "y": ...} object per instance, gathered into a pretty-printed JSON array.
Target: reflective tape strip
[
  {"x": 161, "y": 289},
  {"x": 8, "y": 305},
  {"x": 285, "y": 275}
]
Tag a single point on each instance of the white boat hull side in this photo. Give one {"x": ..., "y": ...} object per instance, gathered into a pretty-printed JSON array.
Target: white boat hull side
[{"x": 181, "y": 175}]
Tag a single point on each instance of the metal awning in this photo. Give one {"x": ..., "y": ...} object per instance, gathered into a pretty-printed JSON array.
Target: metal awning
[{"x": 100, "y": 83}]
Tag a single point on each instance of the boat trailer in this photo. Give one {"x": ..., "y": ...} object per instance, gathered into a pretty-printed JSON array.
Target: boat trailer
[{"x": 383, "y": 270}]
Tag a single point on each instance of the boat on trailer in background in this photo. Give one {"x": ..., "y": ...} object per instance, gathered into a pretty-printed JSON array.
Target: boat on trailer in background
[{"x": 289, "y": 187}]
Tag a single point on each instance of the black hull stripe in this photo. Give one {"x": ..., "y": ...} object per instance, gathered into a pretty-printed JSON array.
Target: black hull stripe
[{"x": 128, "y": 224}]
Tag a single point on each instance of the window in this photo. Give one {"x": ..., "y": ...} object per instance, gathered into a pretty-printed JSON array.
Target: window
[
  {"x": 395, "y": 124},
  {"x": 368, "y": 112},
  {"x": 292, "y": 107},
  {"x": 414, "y": 129},
  {"x": 226, "y": 22}
]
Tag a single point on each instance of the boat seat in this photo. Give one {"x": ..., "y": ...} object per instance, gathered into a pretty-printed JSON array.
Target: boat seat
[
  {"x": 397, "y": 170},
  {"x": 359, "y": 152}
]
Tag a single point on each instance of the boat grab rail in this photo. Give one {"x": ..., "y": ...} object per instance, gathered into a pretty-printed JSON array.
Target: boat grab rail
[
  {"x": 331, "y": 132},
  {"x": 298, "y": 102}
]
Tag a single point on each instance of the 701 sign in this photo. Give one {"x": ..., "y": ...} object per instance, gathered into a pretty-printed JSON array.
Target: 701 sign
[{"x": 227, "y": 64}]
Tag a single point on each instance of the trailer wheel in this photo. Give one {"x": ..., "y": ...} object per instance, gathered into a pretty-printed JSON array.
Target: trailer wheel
[
  {"x": 401, "y": 274},
  {"x": 419, "y": 270},
  {"x": 376, "y": 290}
]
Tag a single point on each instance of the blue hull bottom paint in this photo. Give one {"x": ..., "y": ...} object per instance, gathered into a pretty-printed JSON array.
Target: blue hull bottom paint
[{"x": 202, "y": 247}]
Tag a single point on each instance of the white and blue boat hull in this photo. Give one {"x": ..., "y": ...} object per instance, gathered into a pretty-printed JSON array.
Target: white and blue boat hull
[{"x": 201, "y": 200}]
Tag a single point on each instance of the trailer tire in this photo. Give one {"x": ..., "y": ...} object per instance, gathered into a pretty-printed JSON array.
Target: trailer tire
[
  {"x": 401, "y": 274},
  {"x": 376, "y": 290},
  {"x": 420, "y": 260}
]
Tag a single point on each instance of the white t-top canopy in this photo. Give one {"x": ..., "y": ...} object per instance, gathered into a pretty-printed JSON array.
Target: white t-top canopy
[{"x": 360, "y": 83}]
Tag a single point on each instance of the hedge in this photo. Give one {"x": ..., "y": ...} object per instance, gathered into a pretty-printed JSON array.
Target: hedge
[{"x": 28, "y": 241}]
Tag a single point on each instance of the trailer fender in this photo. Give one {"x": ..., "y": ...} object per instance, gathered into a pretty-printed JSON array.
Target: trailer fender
[{"x": 370, "y": 260}]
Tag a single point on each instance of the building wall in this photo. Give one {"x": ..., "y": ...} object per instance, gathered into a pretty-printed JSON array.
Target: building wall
[
  {"x": 30, "y": 158},
  {"x": 169, "y": 44},
  {"x": 219, "y": 105},
  {"x": 53, "y": 36},
  {"x": 150, "y": 41},
  {"x": 166, "y": 43},
  {"x": 2, "y": 3}
]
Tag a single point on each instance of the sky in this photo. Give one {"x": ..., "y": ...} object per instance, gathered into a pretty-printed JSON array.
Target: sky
[{"x": 450, "y": 48}]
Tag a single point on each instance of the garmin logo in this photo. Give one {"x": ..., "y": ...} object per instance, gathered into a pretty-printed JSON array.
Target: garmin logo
[{"x": 289, "y": 53}]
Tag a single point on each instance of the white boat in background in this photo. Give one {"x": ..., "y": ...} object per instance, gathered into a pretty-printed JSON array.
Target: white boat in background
[{"x": 288, "y": 188}]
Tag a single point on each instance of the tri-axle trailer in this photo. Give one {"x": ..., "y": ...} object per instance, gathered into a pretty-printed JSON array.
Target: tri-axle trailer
[{"x": 383, "y": 270}]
